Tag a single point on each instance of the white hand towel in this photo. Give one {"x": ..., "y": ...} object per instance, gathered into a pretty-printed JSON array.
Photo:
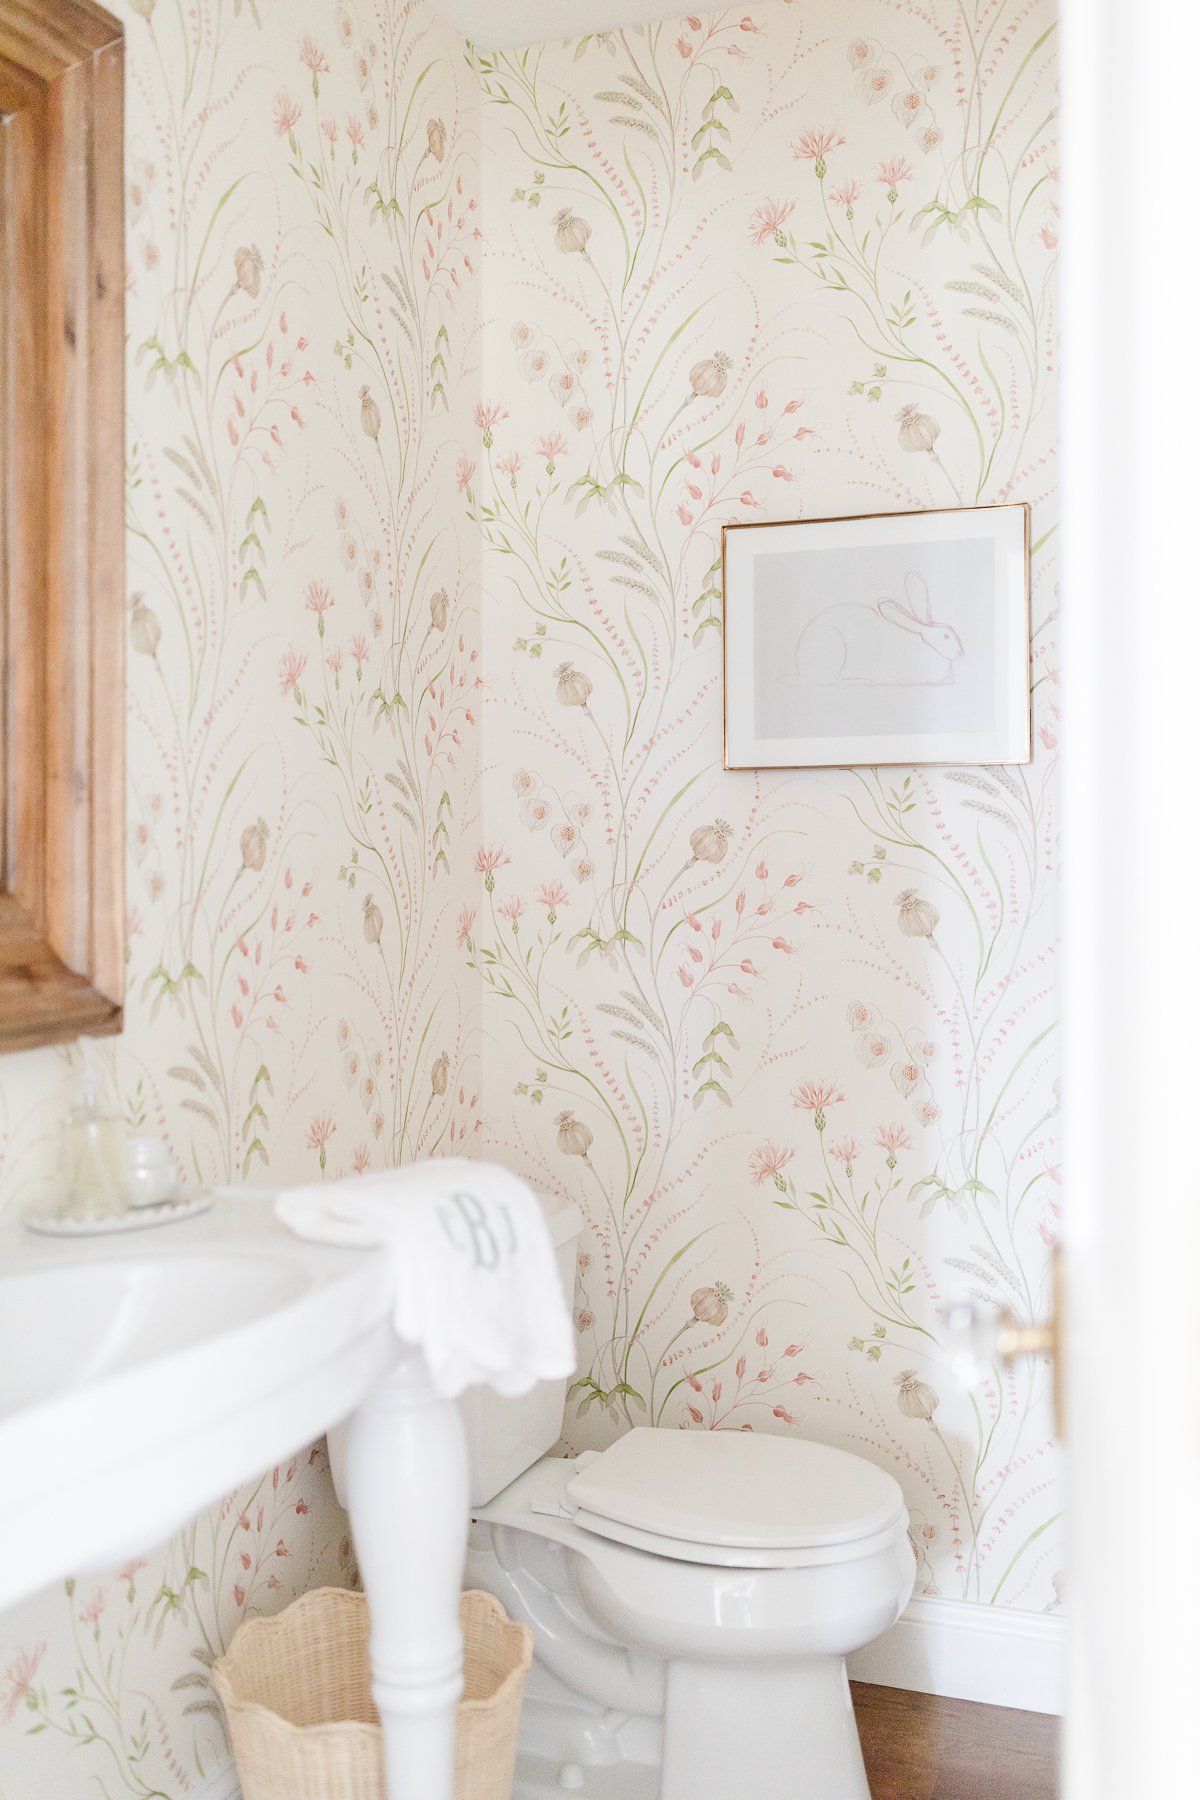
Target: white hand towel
[{"x": 477, "y": 1285}]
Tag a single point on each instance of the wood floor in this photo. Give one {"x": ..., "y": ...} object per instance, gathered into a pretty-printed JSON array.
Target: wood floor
[{"x": 918, "y": 1747}]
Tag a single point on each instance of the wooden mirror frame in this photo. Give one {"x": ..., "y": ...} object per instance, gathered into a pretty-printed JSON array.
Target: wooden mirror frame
[{"x": 62, "y": 578}]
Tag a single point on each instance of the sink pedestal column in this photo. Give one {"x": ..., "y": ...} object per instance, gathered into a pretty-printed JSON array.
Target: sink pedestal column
[{"x": 407, "y": 1493}]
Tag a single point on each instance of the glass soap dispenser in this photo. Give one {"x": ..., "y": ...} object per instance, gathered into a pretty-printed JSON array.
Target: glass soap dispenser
[{"x": 92, "y": 1163}]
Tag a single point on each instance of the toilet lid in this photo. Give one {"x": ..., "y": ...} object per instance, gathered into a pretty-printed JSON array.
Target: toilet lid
[{"x": 736, "y": 1489}]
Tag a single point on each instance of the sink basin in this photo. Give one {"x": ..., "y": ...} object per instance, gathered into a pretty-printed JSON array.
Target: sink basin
[
  {"x": 143, "y": 1379},
  {"x": 90, "y": 1320},
  {"x": 155, "y": 1375}
]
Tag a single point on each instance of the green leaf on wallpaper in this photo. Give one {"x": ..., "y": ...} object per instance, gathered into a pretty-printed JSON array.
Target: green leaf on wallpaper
[
  {"x": 257, "y": 1148},
  {"x": 713, "y": 124},
  {"x": 712, "y": 154},
  {"x": 712, "y": 1086}
]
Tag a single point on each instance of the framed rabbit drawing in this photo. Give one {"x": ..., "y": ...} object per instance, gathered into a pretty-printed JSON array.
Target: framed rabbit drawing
[{"x": 896, "y": 638}]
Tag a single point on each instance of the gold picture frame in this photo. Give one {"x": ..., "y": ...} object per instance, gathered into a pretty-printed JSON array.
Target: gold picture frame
[{"x": 893, "y": 639}]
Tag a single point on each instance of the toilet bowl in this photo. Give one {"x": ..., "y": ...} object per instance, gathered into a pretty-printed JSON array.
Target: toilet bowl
[{"x": 692, "y": 1597}]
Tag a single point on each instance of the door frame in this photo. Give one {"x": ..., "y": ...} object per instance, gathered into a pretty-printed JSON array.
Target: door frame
[{"x": 1132, "y": 893}]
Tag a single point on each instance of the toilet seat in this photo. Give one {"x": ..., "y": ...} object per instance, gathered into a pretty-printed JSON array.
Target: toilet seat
[{"x": 735, "y": 1500}]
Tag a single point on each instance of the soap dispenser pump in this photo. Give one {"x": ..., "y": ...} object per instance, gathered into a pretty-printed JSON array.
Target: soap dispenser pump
[{"x": 93, "y": 1158}]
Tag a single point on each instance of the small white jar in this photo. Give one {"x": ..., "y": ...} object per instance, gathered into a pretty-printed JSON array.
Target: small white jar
[{"x": 152, "y": 1177}]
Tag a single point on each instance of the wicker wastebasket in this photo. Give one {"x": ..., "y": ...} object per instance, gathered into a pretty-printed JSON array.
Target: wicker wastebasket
[{"x": 296, "y": 1690}]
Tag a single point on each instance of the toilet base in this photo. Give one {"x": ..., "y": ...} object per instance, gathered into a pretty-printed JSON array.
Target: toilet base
[{"x": 791, "y": 1728}]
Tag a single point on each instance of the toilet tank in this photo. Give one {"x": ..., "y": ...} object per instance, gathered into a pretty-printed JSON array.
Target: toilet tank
[{"x": 505, "y": 1437}]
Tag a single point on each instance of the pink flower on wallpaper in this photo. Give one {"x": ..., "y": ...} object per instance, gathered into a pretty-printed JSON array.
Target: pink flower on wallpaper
[
  {"x": 17, "y": 1680},
  {"x": 846, "y": 1151},
  {"x": 361, "y": 1159},
  {"x": 355, "y": 131},
  {"x": 893, "y": 171},
  {"x": 892, "y": 1138},
  {"x": 770, "y": 218},
  {"x": 814, "y": 145},
  {"x": 488, "y": 861},
  {"x": 464, "y": 473},
  {"x": 489, "y": 415},
  {"x": 317, "y": 598},
  {"x": 552, "y": 894},
  {"x": 91, "y": 1613},
  {"x": 287, "y": 113},
  {"x": 360, "y": 650},
  {"x": 846, "y": 194},
  {"x": 768, "y": 1162},
  {"x": 320, "y": 1131},
  {"x": 329, "y": 129},
  {"x": 313, "y": 57},
  {"x": 466, "y": 924},
  {"x": 291, "y": 667},
  {"x": 552, "y": 446},
  {"x": 815, "y": 1096},
  {"x": 510, "y": 465}
]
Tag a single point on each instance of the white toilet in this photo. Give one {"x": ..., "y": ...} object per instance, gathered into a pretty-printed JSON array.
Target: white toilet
[{"x": 692, "y": 1595}]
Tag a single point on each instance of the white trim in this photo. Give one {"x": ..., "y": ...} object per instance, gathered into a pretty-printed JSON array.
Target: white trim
[
  {"x": 969, "y": 1652},
  {"x": 222, "y": 1786}
]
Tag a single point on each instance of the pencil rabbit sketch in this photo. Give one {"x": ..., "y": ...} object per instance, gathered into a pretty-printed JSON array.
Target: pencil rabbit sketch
[{"x": 892, "y": 643}]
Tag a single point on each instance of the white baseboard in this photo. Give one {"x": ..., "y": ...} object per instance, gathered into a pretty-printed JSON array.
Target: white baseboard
[
  {"x": 969, "y": 1652},
  {"x": 223, "y": 1786}
]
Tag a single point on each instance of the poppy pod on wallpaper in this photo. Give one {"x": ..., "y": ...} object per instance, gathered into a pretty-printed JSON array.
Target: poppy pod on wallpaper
[
  {"x": 711, "y": 377},
  {"x": 370, "y": 416},
  {"x": 917, "y": 430},
  {"x": 440, "y": 1076},
  {"x": 710, "y": 842},
  {"x": 435, "y": 132},
  {"x": 710, "y": 1305},
  {"x": 254, "y": 845},
  {"x": 916, "y": 1399},
  {"x": 574, "y": 1137},
  {"x": 439, "y": 609},
  {"x": 917, "y": 917},
  {"x": 571, "y": 233},
  {"x": 248, "y": 265},
  {"x": 372, "y": 920},
  {"x": 145, "y": 632},
  {"x": 574, "y": 688}
]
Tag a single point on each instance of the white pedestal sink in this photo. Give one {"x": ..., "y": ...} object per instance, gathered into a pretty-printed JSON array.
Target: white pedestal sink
[{"x": 142, "y": 1377}]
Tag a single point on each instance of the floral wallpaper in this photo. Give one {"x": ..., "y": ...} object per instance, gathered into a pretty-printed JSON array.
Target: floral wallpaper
[
  {"x": 303, "y": 726},
  {"x": 788, "y": 1039},
  {"x": 426, "y": 804}
]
